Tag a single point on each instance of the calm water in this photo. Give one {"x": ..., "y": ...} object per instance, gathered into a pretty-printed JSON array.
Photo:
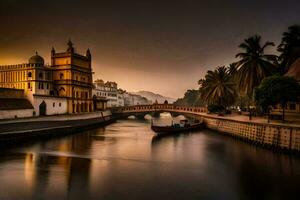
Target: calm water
[{"x": 125, "y": 161}]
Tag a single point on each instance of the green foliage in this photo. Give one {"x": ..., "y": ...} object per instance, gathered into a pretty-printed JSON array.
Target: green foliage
[
  {"x": 218, "y": 88},
  {"x": 215, "y": 108},
  {"x": 277, "y": 90},
  {"x": 233, "y": 71},
  {"x": 254, "y": 64},
  {"x": 191, "y": 98},
  {"x": 289, "y": 47}
]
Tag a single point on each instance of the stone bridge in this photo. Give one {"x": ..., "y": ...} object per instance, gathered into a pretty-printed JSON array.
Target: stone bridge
[{"x": 139, "y": 111}]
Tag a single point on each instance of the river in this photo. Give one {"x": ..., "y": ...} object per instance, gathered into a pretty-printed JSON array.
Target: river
[{"x": 125, "y": 161}]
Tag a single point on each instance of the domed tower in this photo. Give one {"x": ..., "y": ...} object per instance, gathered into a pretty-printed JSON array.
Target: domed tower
[
  {"x": 36, "y": 59},
  {"x": 39, "y": 80}
]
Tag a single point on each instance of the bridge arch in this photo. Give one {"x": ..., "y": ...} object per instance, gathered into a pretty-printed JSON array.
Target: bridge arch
[{"x": 154, "y": 109}]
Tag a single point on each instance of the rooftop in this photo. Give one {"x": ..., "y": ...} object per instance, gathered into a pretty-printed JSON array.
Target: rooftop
[
  {"x": 294, "y": 70},
  {"x": 14, "y": 104}
]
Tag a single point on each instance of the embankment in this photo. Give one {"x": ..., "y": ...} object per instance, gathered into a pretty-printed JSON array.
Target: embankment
[
  {"x": 12, "y": 130},
  {"x": 277, "y": 136}
]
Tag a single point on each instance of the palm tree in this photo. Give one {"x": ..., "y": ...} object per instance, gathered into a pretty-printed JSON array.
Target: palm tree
[
  {"x": 254, "y": 65},
  {"x": 289, "y": 47},
  {"x": 218, "y": 88},
  {"x": 232, "y": 70}
]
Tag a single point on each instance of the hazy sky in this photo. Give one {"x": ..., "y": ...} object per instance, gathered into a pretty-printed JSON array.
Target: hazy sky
[{"x": 161, "y": 46}]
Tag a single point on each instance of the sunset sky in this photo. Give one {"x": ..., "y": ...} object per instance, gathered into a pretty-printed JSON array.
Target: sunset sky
[{"x": 160, "y": 46}]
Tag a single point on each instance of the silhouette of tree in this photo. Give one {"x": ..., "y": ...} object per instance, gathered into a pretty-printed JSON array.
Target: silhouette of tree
[
  {"x": 233, "y": 72},
  {"x": 254, "y": 65},
  {"x": 218, "y": 88},
  {"x": 289, "y": 47},
  {"x": 277, "y": 90},
  {"x": 191, "y": 98}
]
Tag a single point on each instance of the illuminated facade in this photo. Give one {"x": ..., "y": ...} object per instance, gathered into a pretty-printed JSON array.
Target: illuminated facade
[
  {"x": 65, "y": 86},
  {"x": 72, "y": 78},
  {"x": 33, "y": 77}
]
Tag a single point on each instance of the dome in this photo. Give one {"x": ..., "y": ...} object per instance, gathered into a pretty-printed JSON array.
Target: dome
[{"x": 36, "y": 59}]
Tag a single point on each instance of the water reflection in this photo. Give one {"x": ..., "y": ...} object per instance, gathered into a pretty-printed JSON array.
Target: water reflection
[{"x": 127, "y": 161}]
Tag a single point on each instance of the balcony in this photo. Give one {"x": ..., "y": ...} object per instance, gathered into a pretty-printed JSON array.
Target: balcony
[{"x": 73, "y": 82}]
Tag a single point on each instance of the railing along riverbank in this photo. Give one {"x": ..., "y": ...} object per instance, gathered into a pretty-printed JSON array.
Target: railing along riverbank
[{"x": 276, "y": 135}]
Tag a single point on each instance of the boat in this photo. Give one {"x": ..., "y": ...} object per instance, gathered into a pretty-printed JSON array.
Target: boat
[{"x": 183, "y": 126}]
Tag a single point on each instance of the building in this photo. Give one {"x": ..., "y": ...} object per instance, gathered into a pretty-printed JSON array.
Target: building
[
  {"x": 121, "y": 100},
  {"x": 32, "y": 77},
  {"x": 65, "y": 86},
  {"x": 72, "y": 78},
  {"x": 108, "y": 90},
  {"x": 13, "y": 104}
]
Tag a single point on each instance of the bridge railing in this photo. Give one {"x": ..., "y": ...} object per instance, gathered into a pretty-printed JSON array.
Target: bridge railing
[{"x": 158, "y": 107}]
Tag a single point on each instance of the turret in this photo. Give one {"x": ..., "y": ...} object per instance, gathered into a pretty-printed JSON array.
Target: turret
[
  {"x": 70, "y": 47},
  {"x": 88, "y": 54},
  {"x": 52, "y": 51}
]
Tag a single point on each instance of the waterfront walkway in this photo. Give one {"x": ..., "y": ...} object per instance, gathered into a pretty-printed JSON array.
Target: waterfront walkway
[
  {"x": 48, "y": 123},
  {"x": 260, "y": 120}
]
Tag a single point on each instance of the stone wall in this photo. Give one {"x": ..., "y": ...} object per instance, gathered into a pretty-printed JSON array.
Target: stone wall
[
  {"x": 11, "y": 114},
  {"x": 271, "y": 135}
]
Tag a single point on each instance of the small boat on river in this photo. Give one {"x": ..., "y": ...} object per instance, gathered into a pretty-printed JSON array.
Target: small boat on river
[{"x": 183, "y": 126}]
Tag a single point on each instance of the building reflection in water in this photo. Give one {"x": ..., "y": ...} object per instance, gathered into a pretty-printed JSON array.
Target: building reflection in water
[{"x": 60, "y": 167}]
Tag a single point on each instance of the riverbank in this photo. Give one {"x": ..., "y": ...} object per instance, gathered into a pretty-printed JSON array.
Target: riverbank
[
  {"x": 275, "y": 135},
  {"x": 18, "y": 129}
]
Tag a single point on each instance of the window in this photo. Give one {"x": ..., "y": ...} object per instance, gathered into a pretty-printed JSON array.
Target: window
[
  {"x": 53, "y": 104},
  {"x": 42, "y": 86},
  {"x": 28, "y": 85},
  {"x": 40, "y": 75},
  {"x": 47, "y": 86},
  {"x": 59, "y": 104},
  {"x": 61, "y": 75},
  {"x": 29, "y": 74}
]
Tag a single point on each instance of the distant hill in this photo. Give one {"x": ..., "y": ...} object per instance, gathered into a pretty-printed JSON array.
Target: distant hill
[{"x": 152, "y": 96}]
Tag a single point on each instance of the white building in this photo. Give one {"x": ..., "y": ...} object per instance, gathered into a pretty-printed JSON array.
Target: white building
[
  {"x": 108, "y": 90},
  {"x": 13, "y": 104},
  {"x": 121, "y": 100}
]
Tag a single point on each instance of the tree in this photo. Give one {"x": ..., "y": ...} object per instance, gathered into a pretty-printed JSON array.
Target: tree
[
  {"x": 218, "y": 88},
  {"x": 277, "y": 90},
  {"x": 233, "y": 72},
  {"x": 254, "y": 65},
  {"x": 289, "y": 47},
  {"x": 191, "y": 98}
]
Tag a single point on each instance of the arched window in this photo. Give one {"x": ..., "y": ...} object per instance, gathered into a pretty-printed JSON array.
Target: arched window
[
  {"x": 61, "y": 75},
  {"x": 62, "y": 92},
  {"x": 29, "y": 74}
]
